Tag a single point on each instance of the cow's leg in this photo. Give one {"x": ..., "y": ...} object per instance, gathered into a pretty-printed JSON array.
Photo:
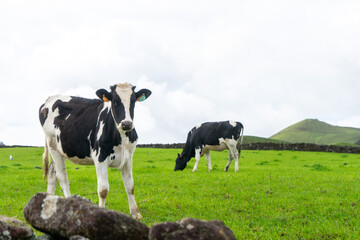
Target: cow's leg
[
  {"x": 126, "y": 173},
  {"x": 236, "y": 161},
  {"x": 235, "y": 156},
  {"x": 197, "y": 158},
  {"x": 102, "y": 182},
  {"x": 52, "y": 180},
  {"x": 229, "y": 162},
  {"x": 208, "y": 158},
  {"x": 60, "y": 171}
]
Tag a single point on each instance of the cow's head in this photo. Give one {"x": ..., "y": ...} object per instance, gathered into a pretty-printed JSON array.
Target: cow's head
[
  {"x": 180, "y": 163},
  {"x": 123, "y": 98}
]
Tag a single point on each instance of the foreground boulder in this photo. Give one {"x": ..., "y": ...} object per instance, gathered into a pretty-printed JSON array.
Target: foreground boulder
[
  {"x": 48, "y": 237},
  {"x": 189, "y": 228},
  {"x": 11, "y": 228},
  {"x": 63, "y": 218}
]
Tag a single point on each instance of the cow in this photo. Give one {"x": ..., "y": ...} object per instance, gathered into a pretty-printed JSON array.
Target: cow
[
  {"x": 216, "y": 136},
  {"x": 96, "y": 132}
]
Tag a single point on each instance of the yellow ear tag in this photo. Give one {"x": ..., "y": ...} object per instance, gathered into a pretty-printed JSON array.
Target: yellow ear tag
[{"x": 105, "y": 99}]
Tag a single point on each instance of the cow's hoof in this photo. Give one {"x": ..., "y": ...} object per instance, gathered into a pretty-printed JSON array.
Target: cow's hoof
[
  {"x": 194, "y": 170},
  {"x": 137, "y": 216}
]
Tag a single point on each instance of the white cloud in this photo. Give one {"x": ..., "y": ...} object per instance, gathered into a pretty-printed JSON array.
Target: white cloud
[
  {"x": 166, "y": 108},
  {"x": 81, "y": 91},
  {"x": 353, "y": 121}
]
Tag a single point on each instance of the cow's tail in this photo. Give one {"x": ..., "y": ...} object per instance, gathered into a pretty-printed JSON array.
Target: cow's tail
[
  {"x": 46, "y": 158},
  {"x": 240, "y": 139}
]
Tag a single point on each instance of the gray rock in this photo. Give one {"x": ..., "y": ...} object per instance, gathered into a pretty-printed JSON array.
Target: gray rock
[
  {"x": 189, "y": 228},
  {"x": 44, "y": 237},
  {"x": 77, "y": 237},
  {"x": 11, "y": 228},
  {"x": 63, "y": 218}
]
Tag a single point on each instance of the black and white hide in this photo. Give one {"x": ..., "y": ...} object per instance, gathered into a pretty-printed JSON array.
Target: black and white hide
[
  {"x": 96, "y": 132},
  {"x": 216, "y": 136}
]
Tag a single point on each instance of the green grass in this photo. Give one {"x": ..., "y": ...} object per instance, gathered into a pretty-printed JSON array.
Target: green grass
[
  {"x": 287, "y": 194},
  {"x": 315, "y": 131}
]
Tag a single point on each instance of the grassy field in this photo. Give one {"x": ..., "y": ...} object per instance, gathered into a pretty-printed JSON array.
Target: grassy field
[{"x": 275, "y": 195}]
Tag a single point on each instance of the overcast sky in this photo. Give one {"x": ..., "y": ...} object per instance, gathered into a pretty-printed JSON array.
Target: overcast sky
[{"x": 267, "y": 64}]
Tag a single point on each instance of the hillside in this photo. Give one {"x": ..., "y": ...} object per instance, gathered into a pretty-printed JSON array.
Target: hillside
[
  {"x": 315, "y": 131},
  {"x": 253, "y": 139}
]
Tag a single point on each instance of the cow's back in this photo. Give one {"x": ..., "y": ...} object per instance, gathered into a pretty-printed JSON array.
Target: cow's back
[
  {"x": 71, "y": 121},
  {"x": 209, "y": 133}
]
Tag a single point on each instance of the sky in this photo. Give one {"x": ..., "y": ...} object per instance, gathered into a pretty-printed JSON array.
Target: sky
[{"x": 267, "y": 64}]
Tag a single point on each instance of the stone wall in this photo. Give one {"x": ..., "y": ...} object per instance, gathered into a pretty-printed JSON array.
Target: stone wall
[
  {"x": 159, "y": 145},
  {"x": 275, "y": 146},
  {"x": 263, "y": 146},
  {"x": 301, "y": 147}
]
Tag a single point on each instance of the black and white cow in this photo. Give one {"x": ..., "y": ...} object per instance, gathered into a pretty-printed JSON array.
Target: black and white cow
[
  {"x": 92, "y": 132},
  {"x": 216, "y": 136}
]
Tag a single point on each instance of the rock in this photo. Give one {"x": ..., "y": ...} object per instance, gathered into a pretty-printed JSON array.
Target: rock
[
  {"x": 48, "y": 237},
  {"x": 189, "y": 228},
  {"x": 11, "y": 228},
  {"x": 44, "y": 237},
  {"x": 77, "y": 237},
  {"x": 63, "y": 218}
]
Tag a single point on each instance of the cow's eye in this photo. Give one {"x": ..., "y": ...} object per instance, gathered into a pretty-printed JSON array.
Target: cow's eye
[{"x": 115, "y": 104}]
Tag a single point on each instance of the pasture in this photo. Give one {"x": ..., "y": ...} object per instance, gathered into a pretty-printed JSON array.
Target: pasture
[{"x": 275, "y": 194}]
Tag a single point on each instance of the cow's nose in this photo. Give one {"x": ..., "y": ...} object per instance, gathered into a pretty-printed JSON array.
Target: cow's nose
[{"x": 126, "y": 125}]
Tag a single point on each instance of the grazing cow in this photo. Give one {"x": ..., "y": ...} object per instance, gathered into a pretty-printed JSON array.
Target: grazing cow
[
  {"x": 92, "y": 132},
  {"x": 216, "y": 136}
]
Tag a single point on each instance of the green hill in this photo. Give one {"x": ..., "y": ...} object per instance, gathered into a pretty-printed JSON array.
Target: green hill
[
  {"x": 315, "y": 131},
  {"x": 253, "y": 139}
]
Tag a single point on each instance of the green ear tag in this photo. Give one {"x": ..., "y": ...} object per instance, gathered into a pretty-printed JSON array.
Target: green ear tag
[{"x": 142, "y": 98}]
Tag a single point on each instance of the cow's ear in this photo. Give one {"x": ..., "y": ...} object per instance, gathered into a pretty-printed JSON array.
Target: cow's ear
[
  {"x": 104, "y": 95},
  {"x": 142, "y": 94}
]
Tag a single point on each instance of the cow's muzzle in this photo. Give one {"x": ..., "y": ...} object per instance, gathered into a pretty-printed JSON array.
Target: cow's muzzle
[{"x": 126, "y": 125}]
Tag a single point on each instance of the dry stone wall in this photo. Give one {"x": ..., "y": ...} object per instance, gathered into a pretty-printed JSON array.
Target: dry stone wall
[
  {"x": 301, "y": 147},
  {"x": 275, "y": 146}
]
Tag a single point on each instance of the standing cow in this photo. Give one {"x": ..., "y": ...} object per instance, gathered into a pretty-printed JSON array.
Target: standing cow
[
  {"x": 92, "y": 132},
  {"x": 216, "y": 136}
]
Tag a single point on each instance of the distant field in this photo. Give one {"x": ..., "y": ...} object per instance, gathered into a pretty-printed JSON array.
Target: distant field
[{"x": 276, "y": 194}]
